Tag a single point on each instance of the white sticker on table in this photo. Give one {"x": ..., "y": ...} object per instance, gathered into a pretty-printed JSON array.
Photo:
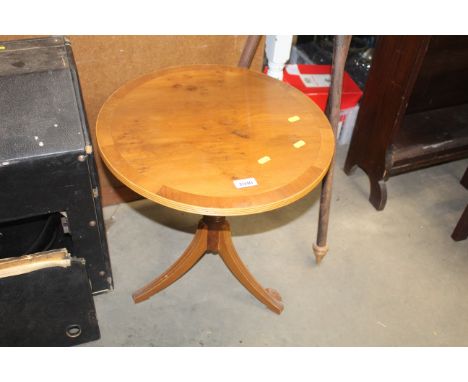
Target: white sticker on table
[{"x": 243, "y": 183}]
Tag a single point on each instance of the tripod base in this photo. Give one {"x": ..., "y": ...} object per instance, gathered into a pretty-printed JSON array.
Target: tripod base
[{"x": 213, "y": 235}]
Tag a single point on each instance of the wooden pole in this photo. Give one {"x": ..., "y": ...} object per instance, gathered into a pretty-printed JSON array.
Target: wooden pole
[
  {"x": 340, "y": 52},
  {"x": 248, "y": 53}
]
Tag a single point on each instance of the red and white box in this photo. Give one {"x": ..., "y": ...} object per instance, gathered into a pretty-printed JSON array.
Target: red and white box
[{"x": 314, "y": 81}]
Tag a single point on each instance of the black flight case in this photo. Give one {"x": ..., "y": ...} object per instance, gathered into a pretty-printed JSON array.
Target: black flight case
[{"x": 49, "y": 193}]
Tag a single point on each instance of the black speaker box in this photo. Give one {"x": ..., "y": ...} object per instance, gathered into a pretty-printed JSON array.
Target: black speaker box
[
  {"x": 47, "y": 169},
  {"x": 49, "y": 191}
]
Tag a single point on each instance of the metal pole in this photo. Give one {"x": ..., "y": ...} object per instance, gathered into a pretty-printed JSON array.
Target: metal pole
[{"x": 340, "y": 52}]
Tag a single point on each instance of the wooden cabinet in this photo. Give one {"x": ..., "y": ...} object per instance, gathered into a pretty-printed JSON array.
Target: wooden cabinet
[{"x": 414, "y": 112}]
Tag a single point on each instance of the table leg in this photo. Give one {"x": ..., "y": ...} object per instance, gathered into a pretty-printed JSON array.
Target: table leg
[
  {"x": 461, "y": 229},
  {"x": 464, "y": 179},
  {"x": 189, "y": 258},
  {"x": 225, "y": 247},
  {"x": 213, "y": 235}
]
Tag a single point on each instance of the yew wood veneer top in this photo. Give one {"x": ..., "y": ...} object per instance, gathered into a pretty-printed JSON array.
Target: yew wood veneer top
[{"x": 189, "y": 137}]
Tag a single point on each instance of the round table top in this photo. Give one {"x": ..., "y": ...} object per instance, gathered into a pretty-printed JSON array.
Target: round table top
[{"x": 214, "y": 140}]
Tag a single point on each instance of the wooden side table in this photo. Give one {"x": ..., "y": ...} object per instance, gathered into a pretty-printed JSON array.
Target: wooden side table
[{"x": 217, "y": 141}]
